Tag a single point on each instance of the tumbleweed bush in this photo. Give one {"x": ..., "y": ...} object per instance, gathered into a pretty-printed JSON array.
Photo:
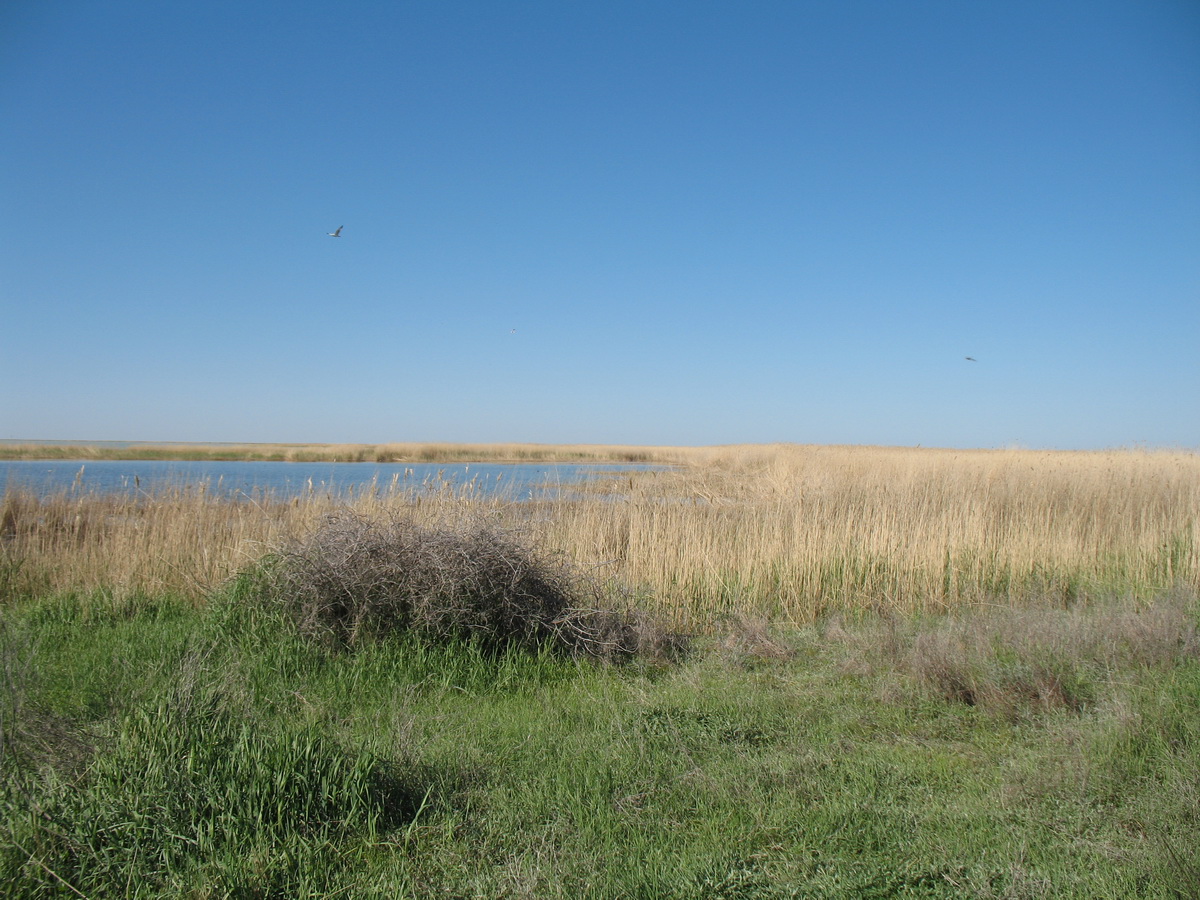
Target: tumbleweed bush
[{"x": 358, "y": 577}]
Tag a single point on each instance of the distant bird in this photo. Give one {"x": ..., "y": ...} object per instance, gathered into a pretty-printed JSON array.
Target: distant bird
[
  {"x": 967, "y": 358},
  {"x": 337, "y": 233}
]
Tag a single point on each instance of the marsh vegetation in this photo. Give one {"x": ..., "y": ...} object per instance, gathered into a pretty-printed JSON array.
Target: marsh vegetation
[
  {"x": 768, "y": 672},
  {"x": 784, "y": 533}
]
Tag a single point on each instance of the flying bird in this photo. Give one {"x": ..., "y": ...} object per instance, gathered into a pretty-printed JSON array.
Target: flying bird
[
  {"x": 967, "y": 358},
  {"x": 337, "y": 233}
]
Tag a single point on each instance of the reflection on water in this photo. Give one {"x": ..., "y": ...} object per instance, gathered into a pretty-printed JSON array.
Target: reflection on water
[{"x": 284, "y": 480}]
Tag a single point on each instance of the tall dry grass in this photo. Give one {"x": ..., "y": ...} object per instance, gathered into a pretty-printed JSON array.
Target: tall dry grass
[
  {"x": 790, "y": 531},
  {"x": 783, "y": 531}
]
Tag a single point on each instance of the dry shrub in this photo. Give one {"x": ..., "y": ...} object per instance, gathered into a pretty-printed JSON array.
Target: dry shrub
[{"x": 358, "y": 578}]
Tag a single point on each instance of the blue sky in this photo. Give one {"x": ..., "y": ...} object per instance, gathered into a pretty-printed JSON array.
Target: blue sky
[{"x": 707, "y": 222}]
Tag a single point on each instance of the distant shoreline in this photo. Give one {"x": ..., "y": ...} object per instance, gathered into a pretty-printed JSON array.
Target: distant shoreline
[{"x": 435, "y": 452}]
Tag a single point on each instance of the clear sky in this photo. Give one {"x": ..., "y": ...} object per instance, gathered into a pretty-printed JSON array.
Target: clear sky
[{"x": 603, "y": 221}]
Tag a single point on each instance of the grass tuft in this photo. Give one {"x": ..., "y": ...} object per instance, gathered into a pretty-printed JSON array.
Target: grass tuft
[
  {"x": 1031, "y": 658},
  {"x": 191, "y": 788}
]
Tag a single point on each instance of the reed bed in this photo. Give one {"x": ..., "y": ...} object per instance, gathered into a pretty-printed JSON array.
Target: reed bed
[
  {"x": 792, "y": 532},
  {"x": 782, "y": 532}
]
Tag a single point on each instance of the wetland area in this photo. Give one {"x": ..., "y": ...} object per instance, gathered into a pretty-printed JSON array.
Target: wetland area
[{"x": 735, "y": 672}]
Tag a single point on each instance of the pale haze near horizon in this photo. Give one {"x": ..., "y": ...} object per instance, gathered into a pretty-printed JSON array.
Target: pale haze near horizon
[{"x": 613, "y": 223}]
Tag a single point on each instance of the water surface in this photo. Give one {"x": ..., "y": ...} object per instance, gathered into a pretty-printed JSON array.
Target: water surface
[{"x": 291, "y": 479}]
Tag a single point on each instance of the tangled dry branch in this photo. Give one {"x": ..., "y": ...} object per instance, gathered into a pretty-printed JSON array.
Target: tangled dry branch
[{"x": 356, "y": 578}]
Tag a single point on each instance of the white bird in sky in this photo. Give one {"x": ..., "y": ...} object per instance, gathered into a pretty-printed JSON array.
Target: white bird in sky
[{"x": 337, "y": 233}]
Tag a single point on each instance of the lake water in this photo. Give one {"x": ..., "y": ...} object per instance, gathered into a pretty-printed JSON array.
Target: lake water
[{"x": 289, "y": 479}]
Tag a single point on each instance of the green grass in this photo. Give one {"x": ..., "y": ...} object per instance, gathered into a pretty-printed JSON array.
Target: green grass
[{"x": 152, "y": 749}]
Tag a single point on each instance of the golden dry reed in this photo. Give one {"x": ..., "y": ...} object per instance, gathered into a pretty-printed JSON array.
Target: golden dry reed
[{"x": 783, "y": 532}]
